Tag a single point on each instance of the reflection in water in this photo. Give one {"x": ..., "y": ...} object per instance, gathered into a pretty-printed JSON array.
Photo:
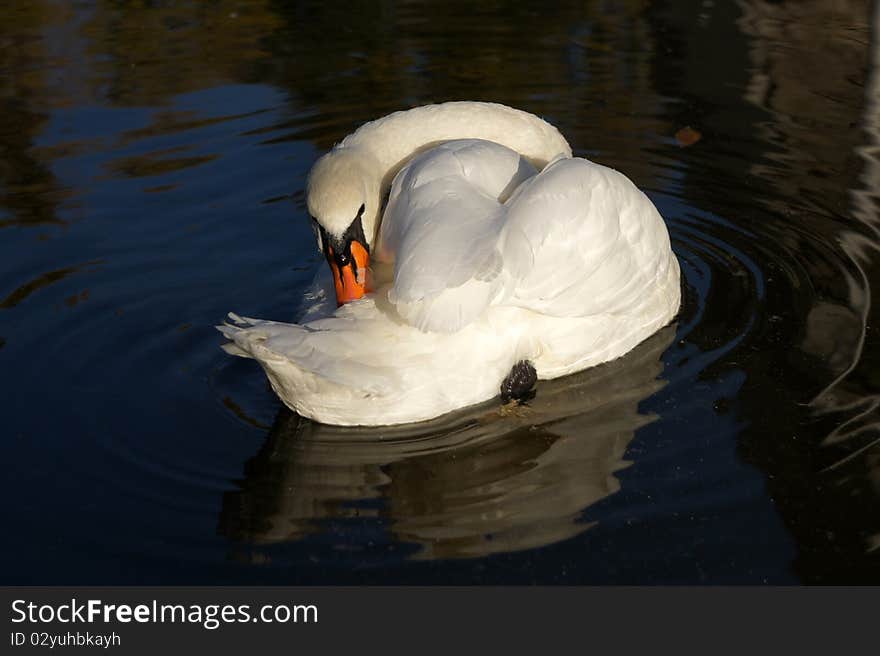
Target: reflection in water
[
  {"x": 790, "y": 42},
  {"x": 865, "y": 372},
  {"x": 29, "y": 193},
  {"x": 144, "y": 57},
  {"x": 811, "y": 129},
  {"x": 480, "y": 482},
  {"x": 20, "y": 294},
  {"x": 808, "y": 72}
]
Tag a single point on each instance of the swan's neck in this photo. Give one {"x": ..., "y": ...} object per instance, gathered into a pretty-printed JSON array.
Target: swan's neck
[{"x": 392, "y": 141}]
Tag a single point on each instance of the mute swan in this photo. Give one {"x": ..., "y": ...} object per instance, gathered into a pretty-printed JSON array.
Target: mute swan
[{"x": 498, "y": 257}]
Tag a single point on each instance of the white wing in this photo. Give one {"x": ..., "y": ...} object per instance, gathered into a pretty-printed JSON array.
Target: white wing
[
  {"x": 441, "y": 229},
  {"x": 580, "y": 239}
]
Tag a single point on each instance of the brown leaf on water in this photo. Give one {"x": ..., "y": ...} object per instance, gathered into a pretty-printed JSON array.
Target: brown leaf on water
[{"x": 687, "y": 136}]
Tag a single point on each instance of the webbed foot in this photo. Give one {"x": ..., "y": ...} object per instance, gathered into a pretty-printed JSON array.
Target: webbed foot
[{"x": 519, "y": 383}]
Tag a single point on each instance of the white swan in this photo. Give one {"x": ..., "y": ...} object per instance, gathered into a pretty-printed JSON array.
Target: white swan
[{"x": 485, "y": 256}]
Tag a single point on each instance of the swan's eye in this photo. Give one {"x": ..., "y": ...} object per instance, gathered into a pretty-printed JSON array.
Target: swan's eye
[{"x": 361, "y": 211}]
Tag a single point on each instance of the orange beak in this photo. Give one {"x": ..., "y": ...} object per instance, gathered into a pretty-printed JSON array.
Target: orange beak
[{"x": 351, "y": 279}]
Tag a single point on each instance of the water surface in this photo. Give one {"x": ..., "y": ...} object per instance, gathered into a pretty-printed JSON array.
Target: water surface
[{"x": 152, "y": 165}]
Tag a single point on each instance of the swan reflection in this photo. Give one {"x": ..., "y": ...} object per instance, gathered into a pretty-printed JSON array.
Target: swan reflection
[{"x": 482, "y": 481}]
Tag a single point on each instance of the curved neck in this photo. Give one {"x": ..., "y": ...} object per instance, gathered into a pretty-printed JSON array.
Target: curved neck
[
  {"x": 394, "y": 139},
  {"x": 361, "y": 168}
]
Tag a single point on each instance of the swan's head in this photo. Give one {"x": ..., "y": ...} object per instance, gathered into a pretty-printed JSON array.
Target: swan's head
[{"x": 344, "y": 194}]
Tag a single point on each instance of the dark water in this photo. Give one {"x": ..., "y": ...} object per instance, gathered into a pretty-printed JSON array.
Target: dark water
[{"x": 152, "y": 162}]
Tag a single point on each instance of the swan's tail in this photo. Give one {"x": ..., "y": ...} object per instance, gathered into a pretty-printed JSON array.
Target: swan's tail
[
  {"x": 251, "y": 338},
  {"x": 231, "y": 331},
  {"x": 333, "y": 353}
]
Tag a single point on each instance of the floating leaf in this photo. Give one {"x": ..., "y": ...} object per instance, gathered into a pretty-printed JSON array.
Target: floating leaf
[{"x": 687, "y": 136}]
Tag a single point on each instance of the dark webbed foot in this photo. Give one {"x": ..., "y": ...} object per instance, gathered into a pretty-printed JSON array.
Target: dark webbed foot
[{"x": 519, "y": 382}]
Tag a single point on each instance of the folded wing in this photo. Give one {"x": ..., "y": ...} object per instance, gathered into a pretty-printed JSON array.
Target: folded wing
[{"x": 441, "y": 229}]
